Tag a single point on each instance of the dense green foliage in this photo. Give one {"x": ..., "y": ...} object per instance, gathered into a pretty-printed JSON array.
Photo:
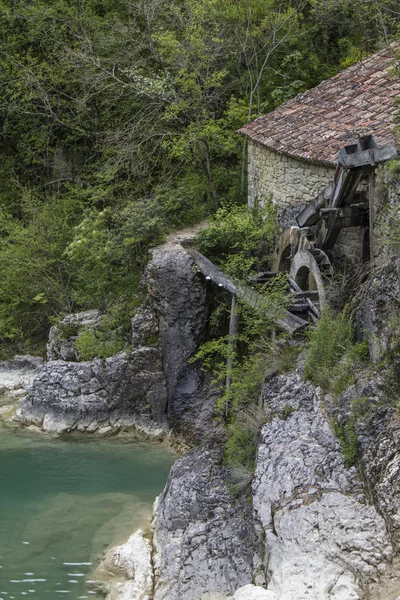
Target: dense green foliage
[
  {"x": 118, "y": 122},
  {"x": 348, "y": 441},
  {"x": 240, "y": 239},
  {"x": 332, "y": 352}
]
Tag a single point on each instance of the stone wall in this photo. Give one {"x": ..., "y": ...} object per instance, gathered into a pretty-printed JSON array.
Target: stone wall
[
  {"x": 293, "y": 183},
  {"x": 384, "y": 195},
  {"x": 288, "y": 180},
  {"x": 348, "y": 246}
]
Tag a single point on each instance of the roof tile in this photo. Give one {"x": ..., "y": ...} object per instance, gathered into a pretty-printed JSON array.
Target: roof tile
[{"x": 359, "y": 100}]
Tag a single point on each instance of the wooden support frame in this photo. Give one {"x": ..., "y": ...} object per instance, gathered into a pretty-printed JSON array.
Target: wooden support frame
[
  {"x": 283, "y": 319},
  {"x": 232, "y": 345}
]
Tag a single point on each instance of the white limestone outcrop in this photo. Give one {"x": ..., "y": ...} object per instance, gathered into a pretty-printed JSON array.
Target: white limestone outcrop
[{"x": 128, "y": 570}]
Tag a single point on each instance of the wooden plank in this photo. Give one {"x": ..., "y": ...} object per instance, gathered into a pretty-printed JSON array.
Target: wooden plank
[
  {"x": 298, "y": 290},
  {"x": 307, "y": 294},
  {"x": 299, "y": 308},
  {"x": 346, "y": 180},
  {"x": 369, "y": 157},
  {"x": 347, "y": 183},
  {"x": 348, "y": 216},
  {"x": 285, "y": 320},
  {"x": 310, "y": 214}
]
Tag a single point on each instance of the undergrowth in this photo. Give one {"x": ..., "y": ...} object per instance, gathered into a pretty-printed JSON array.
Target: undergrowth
[
  {"x": 332, "y": 352},
  {"x": 348, "y": 440}
]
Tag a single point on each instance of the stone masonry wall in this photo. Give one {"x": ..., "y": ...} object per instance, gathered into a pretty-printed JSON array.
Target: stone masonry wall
[
  {"x": 290, "y": 181},
  {"x": 294, "y": 183},
  {"x": 384, "y": 195}
]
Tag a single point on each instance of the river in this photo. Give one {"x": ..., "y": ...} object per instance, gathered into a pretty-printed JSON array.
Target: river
[{"x": 62, "y": 502}]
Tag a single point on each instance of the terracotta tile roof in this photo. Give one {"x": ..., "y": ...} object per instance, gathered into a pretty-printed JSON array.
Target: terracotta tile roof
[{"x": 316, "y": 124}]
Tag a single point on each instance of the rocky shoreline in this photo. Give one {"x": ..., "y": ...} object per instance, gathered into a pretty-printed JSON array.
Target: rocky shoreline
[{"x": 308, "y": 528}]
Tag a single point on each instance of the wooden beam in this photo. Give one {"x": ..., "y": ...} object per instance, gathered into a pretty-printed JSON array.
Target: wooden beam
[
  {"x": 346, "y": 185},
  {"x": 307, "y": 294},
  {"x": 348, "y": 216},
  {"x": 311, "y": 305},
  {"x": 370, "y": 157},
  {"x": 282, "y": 318},
  {"x": 232, "y": 343},
  {"x": 350, "y": 169},
  {"x": 310, "y": 214}
]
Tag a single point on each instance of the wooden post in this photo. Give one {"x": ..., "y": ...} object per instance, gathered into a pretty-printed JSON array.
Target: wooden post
[{"x": 232, "y": 343}]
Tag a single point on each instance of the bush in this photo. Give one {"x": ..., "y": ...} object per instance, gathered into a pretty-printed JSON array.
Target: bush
[
  {"x": 239, "y": 239},
  {"x": 96, "y": 344},
  {"x": 67, "y": 330},
  {"x": 348, "y": 442},
  {"x": 360, "y": 407},
  {"x": 243, "y": 438},
  {"x": 240, "y": 448},
  {"x": 33, "y": 274},
  {"x": 332, "y": 353}
]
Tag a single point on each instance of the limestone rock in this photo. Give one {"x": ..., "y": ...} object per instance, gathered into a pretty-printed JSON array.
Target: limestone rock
[
  {"x": 204, "y": 538},
  {"x": 322, "y": 541},
  {"x": 253, "y": 592},
  {"x": 123, "y": 391},
  {"x": 61, "y": 338},
  {"x": 378, "y": 430},
  {"x": 379, "y": 304},
  {"x": 145, "y": 327},
  {"x": 179, "y": 296},
  {"x": 128, "y": 570},
  {"x": 15, "y": 376}
]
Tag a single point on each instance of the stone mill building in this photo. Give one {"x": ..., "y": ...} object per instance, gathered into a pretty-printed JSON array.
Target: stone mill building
[{"x": 293, "y": 151}]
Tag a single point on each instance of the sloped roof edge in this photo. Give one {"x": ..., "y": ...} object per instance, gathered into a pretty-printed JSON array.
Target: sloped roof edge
[{"x": 316, "y": 124}]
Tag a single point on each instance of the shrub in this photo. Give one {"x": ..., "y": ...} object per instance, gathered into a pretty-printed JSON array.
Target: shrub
[
  {"x": 239, "y": 239},
  {"x": 348, "y": 442},
  {"x": 240, "y": 480},
  {"x": 95, "y": 344},
  {"x": 360, "y": 407},
  {"x": 332, "y": 352},
  {"x": 243, "y": 438},
  {"x": 240, "y": 449},
  {"x": 68, "y": 330}
]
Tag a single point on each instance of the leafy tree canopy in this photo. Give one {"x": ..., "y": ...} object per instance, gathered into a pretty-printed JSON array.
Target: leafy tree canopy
[{"x": 117, "y": 123}]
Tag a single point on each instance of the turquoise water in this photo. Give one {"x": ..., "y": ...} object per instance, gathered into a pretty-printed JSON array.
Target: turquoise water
[{"x": 62, "y": 503}]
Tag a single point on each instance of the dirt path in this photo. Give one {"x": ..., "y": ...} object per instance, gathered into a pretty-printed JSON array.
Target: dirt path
[{"x": 187, "y": 234}]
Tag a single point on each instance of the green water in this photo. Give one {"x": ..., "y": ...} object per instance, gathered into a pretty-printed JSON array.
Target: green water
[{"x": 63, "y": 502}]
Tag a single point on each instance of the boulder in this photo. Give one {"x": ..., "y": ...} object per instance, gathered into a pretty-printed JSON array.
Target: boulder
[
  {"x": 204, "y": 539},
  {"x": 378, "y": 305},
  {"x": 61, "y": 337},
  {"x": 127, "y": 570},
  {"x": 377, "y": 426},
  {"x": 145, "y": 327},
  {"x": 124, "y": 391},
  {"x": 322, "y": 540},
  {"x": 253, "y": 592},
  {"x": 15, "y": 377},
  {"x": 179, "y": 295}
]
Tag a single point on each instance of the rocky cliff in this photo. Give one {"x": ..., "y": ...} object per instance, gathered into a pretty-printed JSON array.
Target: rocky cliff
[
  {"x": 323, "y": 539},
  {"x": 151, "y": 388},
  {"x": 310, "y": 527}
]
